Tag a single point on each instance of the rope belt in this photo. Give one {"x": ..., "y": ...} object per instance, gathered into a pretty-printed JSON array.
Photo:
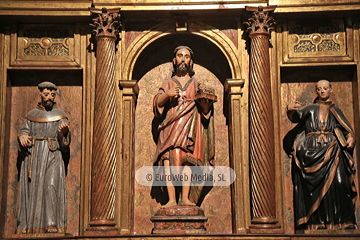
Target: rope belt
[
  {"x": 185, "y": 100},
  {"x": 33, "y": 140},
  {"x": 321, "y": 137}
]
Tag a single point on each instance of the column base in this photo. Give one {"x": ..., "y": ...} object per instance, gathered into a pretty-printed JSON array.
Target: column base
[
  {"x": 179, "y": 220},
  {"x": 101, "y": 227},
  {"x": 263, "y": 223}
]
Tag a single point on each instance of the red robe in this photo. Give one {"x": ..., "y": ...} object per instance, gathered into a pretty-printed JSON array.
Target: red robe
[
  {"x": 185, "y": 131},
  {"x": 183, "y": 127}
]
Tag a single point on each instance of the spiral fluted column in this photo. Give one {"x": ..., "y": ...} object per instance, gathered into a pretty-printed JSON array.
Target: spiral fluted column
[
  {"x": 262, "y": 156},
  {"x": 103, "y": 175}
]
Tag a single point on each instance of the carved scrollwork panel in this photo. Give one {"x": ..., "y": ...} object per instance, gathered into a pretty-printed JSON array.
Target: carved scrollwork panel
[
  {"x": 45, "y": 44},
  {"x": 305, "y": 46},
  {"x": 34, "y": 49},
  {"x": 311, "y": 42}
]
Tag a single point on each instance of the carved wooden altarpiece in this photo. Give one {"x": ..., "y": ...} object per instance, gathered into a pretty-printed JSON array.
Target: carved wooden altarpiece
[{"x": 312, "y": 40}]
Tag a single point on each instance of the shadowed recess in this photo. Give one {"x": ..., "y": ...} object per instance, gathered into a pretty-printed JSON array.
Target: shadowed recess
[
  {"x": 34, "y": 77},
  {"x": 206, "y": 54},
  {"x": 316, "y": 73}
]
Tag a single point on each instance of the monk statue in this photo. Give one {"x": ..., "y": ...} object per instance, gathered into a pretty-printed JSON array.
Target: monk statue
[
  {"x": 44, "y": 137},
  {"x": 186, "y": 133},
  {"x": 323, "y": 167}
]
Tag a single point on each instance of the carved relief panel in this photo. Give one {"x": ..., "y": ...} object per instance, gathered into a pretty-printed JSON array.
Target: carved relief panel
[
  {"x": 45, "y": 45},
  {"x": 317, "y": 42}
]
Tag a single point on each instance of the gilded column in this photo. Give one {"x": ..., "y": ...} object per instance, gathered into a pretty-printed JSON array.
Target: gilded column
[
  {"x": 262, "y": 156},
  {"x": 103, "y": 173}
]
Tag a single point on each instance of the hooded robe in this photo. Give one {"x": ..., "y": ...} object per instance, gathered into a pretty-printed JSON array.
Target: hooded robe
[{"x": 42, "y": 195}]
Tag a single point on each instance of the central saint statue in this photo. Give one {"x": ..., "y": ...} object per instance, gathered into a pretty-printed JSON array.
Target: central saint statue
[{"x": 186, "y": 134}]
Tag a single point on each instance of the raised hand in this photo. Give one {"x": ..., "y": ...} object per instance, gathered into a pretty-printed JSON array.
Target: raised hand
[
  {"x": 294, "y": 106},
  {"x": 173, "y": 92}
]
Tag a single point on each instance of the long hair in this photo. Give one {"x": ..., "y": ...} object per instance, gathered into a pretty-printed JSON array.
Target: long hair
[{"x": 191, "y": 67}]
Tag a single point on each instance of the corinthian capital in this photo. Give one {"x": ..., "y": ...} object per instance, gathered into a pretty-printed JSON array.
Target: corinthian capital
[
  {"x": 107, "y": 22},
  {"x": 260, "y": 22}
]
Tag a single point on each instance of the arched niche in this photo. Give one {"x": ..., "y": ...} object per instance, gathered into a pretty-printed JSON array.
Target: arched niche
[
  {"x": 206, "y": 54},
  {"x": 152, "y": 67}
]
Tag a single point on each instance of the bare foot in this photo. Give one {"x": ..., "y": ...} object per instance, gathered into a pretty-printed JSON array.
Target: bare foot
[
  {"x": 187, "y": 202},
  {"x": 170, "y": 203},
  {"x": 51, "y": 229}
]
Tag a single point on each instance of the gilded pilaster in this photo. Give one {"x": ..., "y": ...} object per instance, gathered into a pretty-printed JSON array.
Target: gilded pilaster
[
  {"x": 233, "y": 88},
  {"x": 88, "y": 60},
  {"x": 103, "y": 173},
  {"x": 130, "y": 90},
  {"x": 262, "y": 156}
]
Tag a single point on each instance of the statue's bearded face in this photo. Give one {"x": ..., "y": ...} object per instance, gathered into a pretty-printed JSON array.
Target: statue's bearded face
[
  {"x": 48, "y": 98},
  {"x": 182, "y": 60},
  {"x": 323, "y": 90}
]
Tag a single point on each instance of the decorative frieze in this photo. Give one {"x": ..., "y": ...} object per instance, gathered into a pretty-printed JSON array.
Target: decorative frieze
[
  {"x": 44, "y": 45},
  {"x": 314, "y": 42}
]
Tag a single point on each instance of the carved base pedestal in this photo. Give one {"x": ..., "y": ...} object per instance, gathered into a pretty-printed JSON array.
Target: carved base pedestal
[
  {"x": 179, "y": 220},
  {"x": 40, "y": 235},
  {"x": 101, "y": 231},
  {"x": 329, "y": 232}
]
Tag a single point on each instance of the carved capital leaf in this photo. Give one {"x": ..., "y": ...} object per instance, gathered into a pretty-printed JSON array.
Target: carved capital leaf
[
  {"x": 261, "y": 21},
  {"x": 106, "y": 23}
]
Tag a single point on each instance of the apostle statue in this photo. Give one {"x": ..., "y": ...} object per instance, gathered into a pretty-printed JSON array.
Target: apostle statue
[
  {"x": 44, "y": 137},
  {"x": 323, "y": 167},
  {"x": 186, "y": 133}
]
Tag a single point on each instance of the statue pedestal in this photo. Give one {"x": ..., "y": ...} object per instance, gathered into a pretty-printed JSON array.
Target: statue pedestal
[{"x": 179, "y": 220}]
